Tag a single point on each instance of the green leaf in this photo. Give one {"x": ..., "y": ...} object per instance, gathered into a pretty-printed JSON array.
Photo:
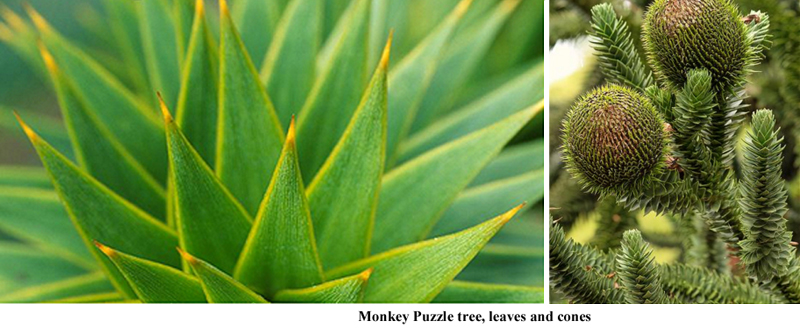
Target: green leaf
[
  {"x": 21, "y": 38},
  {"x": 417, "y": 273},
  {"x": 162, "y": 50},
  {"x": 345, "y": 290},
  {"x": 473, "y": 292},
  {"x": 24, "y": 266},
  {"x": 183, "y": 12},
  {"x": 94, "y": 145},
  {"x": 257, "y": 21},
  {"x": 507, "y": 264},
  {"x": 100, "y": 214},
  {"x": 36, "y": 216},
  {"x": 249, "y": 136},
  {"x": 24, "y": 176},
  {"x": 154, "y": 282},
  {"x": 490, "y": 199},
  {"x": 281, "y": 245},
  {"x": 336, "y": 92},
  {"x": 334, "y": 11},
  {"x": 288, "y": 70},
  {"x": 423, "y": 188},
  {"x": 345, "y": 191},
  {"x": 112, "y": 297},
  {"x": 512, "y": 161},
  {"x": 462, "y": 58},
  {"x": 130, "y": 120},
  {"x": 210, "y": 222},
  {"x": 81, "y": 285},
  {"x": 218, "y": 286},
  {"x": 196, "y": 113},
  {"x": 127, "y": 37},
  {"x": 49, "y": 127},
  {"x": 514, "y": 96},
  {"x": 412, "y": 76}
]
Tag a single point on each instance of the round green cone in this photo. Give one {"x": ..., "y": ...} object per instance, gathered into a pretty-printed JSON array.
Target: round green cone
[
  {"x": 613, "y": 137},
  {"x": 681, "y": 35}
]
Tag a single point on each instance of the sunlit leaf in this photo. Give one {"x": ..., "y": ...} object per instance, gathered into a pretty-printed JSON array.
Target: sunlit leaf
[
  {"x": 37, "y": 217},
  {"x": 210, "y": 222},
  {"x": 345, "y": 191},
  {"x": 345, "y": 290},
  {"x": 196, "y": 113},
  {"x": 100, "y": 214},
  {"x": 218, "y": 286},
  {"x": 336, "y": 92},
  {"x": 418, "y": 272},
  {"x": 250, "y": 137},
  {"x": 94, "y": 144},
  {"x": 462, "y": 58},
  {"x": 154, "y": 282},
  {"x": 280, "y": 252},
  {"x": 516, "y": 95},
  {"x": 473, "y": 292},
  {"x": 490, "y": 199},
  {"x": 80, "y": 285},
  {"x": 414, "y": 195},
  {"x": 289, "y": 68},
  {"x": 137, "y": 126},
  {"x": 410, "y": 79}
]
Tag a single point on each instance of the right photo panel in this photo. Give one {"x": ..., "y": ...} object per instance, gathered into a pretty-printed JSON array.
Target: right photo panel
[{"x": 674, "y": 149}]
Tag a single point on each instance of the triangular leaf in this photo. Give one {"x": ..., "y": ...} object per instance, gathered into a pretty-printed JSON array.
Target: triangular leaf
[
  {"x": 417, "y": 273},
  {"x": 76, "y": 286},
  {"x": 210, "y": 222},
  {"x": 280, "y": 252},
  {"x": 345, "y": 290},
  {"x": 154, "y": 282},
  {"x": 423, "y": 188},
  {"x": 409, "y": 80},
  {"x": 135, "y": 125},
  {"x": 49, "y": 127},
  {"x": 336, "y": 92},
  {"x": 490, "y": 199},
  {"x": 100, "y": 214},
  {"x": 94, "y": 144},
  {"x": 289, "y": 68},
  {"x": 462, "y": 58},
  {"x": 345, "y": 191},
  {"x": 218, "y": 286},
  {"x": 36, "y": 216},
  {"x": 196, "y": 113},
  {"x": 161, "y": 47},
  {"x": 474, "y": 292},
  {"x": 249, "y": 137}
]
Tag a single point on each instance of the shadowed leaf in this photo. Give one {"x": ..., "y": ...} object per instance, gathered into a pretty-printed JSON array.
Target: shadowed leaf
[
  {"x": 80, "y": 285},
  {"x": 249, "y": 136},
  {"x": 162, "y": 50},
  {"x": 417, "y": 273},
  {"x": 49, "y": 127},
  {"x": 257, "y": 21},
  {"x": 512, "y": 161},
  {"x": 24, "y": 266},
  {"x": 281, "y": 244},
  {"x": 345, "y": 191}
]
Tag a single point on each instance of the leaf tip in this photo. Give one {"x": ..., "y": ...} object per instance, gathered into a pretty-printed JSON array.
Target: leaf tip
[
  {"x": 47, "y": 57},
  {"x": 462, "y": 7},
  {"x": 164, "y": 110},
  {"x": 199, "y": 9},
  {"x": 364, "y": 275},
  {"x": 36, "y": 17},
  {"x": 386, "y": 51},
  {"x": 507, "y": 216},
  {"x": 223, "y": 8},
  {"x": 105, "y": 249},
  {"x": 186, "y": 256},
  {"x": 290, "y": 135},
  {"x": 28, "y": 131}
]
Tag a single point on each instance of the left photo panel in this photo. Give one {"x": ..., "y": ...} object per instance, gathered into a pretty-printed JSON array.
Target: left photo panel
[{"x": 272, "y": 151}]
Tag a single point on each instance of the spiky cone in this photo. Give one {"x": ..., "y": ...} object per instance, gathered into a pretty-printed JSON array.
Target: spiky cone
[
  {"x": 681, "y": 35},
  {"x": 613, "y": 139},
  {"x": 321, "y": 209}
]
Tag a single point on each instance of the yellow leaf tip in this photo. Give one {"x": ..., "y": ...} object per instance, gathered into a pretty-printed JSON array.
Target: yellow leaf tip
[
  {"x": 364, "y": 275},
  {"x": 36, "y": 17},
  {"x": 386, "y": 51},
  {"x": 199, "y": 8},
  {"x": 25, "y": 127},
  {"x": 47, "y": 57},
  {"x": 290, "y": 135},
  {"x": 105, "y": 249},
  {"x": 186, "y": 256},
  {"x": 164, "y": 110},
  {"x": 223, "y": 8},
  {"x": 507, "y": 216}
]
